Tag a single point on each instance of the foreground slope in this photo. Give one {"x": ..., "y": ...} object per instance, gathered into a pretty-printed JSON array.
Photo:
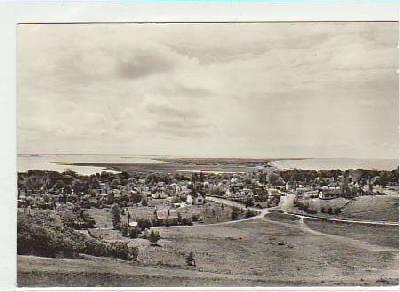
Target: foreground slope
[{"x": 257, "y": 252}]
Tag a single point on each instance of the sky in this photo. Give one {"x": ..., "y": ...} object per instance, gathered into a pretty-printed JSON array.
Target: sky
[{"x": 262, "y": 90}]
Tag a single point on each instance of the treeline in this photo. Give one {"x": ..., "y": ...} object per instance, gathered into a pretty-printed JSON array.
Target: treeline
[
  {"x": 379, "y": 177},
  {"x": 70, "y": 180},
  {"x": 40, "y": 235}
]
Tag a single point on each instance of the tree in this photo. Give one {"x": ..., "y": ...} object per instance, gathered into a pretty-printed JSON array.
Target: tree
[
  {"x": 179, "y": 218},
  {"x": 235, "y": 213},
  {"x": 249, "y": 213},
  {"x": 116, "y": 215},
  {"x": 134, "y": 232},
  {"x": 154, "y": 237},
  {"x": 275, "y": 180},
  {"x": 115, "y": 183},
  {"x": 190, "y": 261},
  {"x": 124, "y": 229},
  {"x": 337, "y": 211},
  {"x": 144, "y": 223},
  {"x": 249, "y": 202}
]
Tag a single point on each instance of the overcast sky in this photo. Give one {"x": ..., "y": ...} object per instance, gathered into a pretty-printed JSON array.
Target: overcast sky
[{"x": 209, "y": 90}]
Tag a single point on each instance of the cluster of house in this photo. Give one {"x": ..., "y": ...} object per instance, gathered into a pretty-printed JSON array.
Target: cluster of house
[
  {"x": 261, "y": 188},
  {"x": 343, "y": 187}
]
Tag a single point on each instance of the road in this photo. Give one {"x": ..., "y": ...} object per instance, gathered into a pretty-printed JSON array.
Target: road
[
  {"x": 299, "y": 224},
  {"x": 300, "y": 216},
  {"x": 347, "y": 240},
  {"x": 263, "y": 212}
]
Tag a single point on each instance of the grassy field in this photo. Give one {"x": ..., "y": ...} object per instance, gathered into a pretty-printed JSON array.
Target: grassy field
[
  {"x": 373, "y": 208},
  {"x": 374, "y": 234},
  {"x": 270, "y": 254},
  {"x": 209, "y": 213},
  {"x": 281, "y": 217}
]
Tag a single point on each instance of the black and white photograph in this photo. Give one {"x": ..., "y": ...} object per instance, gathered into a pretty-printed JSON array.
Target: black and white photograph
[{"x": 211, "y": 154}]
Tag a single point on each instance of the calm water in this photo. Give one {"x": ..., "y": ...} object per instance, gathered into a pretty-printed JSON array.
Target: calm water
[
  {"x": 55, "y": 162},
  {"x": 337, "y": 163}
]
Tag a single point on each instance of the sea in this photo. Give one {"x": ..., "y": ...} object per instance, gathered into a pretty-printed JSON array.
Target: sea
[
  {"x": 337, "y": 163},
  {"x": 61, "y": 162}
]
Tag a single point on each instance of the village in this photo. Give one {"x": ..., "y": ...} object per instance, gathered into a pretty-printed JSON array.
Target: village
[
  {"x": 180, "y": 198},
  {"x": 129, "y": 215}
]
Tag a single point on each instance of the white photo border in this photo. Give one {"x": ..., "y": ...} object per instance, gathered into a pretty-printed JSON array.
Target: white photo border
[{"x": 14, "y": 12}]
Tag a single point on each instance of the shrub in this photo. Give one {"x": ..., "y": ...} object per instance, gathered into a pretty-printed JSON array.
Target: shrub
[
  {"x": 190, "y": 261},
  {"x": 120, "y": 250},
  {"x": 235, "y": 213},
  {"x": 155, "y": 222},
  {"x": 144, "y": 223},
  {"x": 42, "y": 237},
  {"x": 154, "y": 237},
  {"x": 116, "y": 215},
  {"x": 134, "y": 232},
  {"x": 195, "y": 217},
  {"x": 249, "y": 202},
  {"x": 250, "y": 213},
  {"x": 187, "y": 221},
  {"x": 133, "y": 253},
  {"x": 124, "y": 229}
]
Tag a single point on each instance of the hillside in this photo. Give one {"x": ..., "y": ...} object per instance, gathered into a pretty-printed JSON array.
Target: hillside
[{"x": 385, "y": 208}]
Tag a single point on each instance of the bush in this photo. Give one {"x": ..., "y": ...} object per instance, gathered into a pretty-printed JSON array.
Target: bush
[
  {"x": 42, "y": 237},
  {"x": 155, "y": 222},
  {"x": 250, "y": 213},
  {"x": 144, "y": 223},
  {"x": 134, "y": 232},
  {"x": 250, "y": 202},
  {"x": 124, "y": 229},
  {"x": 154, "y": 237},
  {"x": 187, "y": 221},
  {"x": 235, "y": 213},
  {"x": 120, "y": 250},
  {"x": 116, "y": 215},
  {"x": 46, "y": 240},
  {"x": 190, "y": 261}
]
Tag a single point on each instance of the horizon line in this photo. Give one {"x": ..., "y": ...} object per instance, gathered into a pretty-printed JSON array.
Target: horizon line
[{"x": 211, "y": 157}]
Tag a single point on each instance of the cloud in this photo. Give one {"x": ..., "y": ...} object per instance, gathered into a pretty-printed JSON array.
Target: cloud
[
  {"x": 263, "y": 89},
  {"x": 139, "y": 64},
  {"x": 174, "y": 121}
]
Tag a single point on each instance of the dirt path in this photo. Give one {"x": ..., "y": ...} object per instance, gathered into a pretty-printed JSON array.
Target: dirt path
[
  {"x": 288, "y": 204},
  {"x": 346, "y": 240},
  {"x": 300, "y": 224},
  {"x": 261, "y": 214}
]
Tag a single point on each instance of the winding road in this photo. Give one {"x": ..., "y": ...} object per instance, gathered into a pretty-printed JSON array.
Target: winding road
[
  {"x": 303, "y": 226},
  {"x": 300, "y": 216}
]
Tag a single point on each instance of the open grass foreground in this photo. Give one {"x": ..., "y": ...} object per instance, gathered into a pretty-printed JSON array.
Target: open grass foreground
[{"x": 260, "y": 252}]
